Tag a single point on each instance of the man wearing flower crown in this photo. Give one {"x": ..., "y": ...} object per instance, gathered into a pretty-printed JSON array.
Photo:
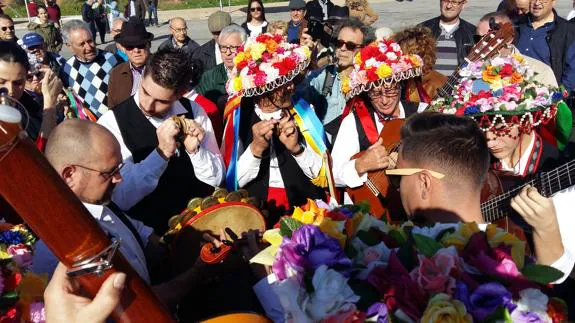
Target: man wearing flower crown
[
  {"x": 273, "y": 140},
  {"x": 373, "y": 92}
]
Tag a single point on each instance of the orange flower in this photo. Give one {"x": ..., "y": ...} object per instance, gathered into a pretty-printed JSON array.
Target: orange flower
[
  {"x": 271, "y": 45},
  {"x": 516, "y": 78},
  {"x": 490, "y": 75}
]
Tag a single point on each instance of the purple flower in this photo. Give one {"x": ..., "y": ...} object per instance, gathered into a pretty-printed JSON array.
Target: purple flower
[
  {"x": 485, "y": 299},
  {"x": 308, "y": 249},
  {"x": 380, "y": 310}
]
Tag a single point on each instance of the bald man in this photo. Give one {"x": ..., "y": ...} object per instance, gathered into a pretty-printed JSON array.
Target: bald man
[
  {"x": 179, "y": 39},
  {"x": 88, "y": 158}
]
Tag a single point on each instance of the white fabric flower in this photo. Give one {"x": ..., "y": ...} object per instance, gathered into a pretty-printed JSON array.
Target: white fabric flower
[{"x": 434, "y": 231}]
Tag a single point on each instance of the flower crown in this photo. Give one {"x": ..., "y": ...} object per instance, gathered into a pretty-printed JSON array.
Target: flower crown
[
  {"x": 501, "y": 91},
  {"x": 265, "y": 63},
  {"x": 381, "y": 62}
]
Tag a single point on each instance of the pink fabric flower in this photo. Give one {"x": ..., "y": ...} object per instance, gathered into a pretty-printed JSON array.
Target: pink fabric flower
[
  {"x": 433, "y": 274},
  {"x": 21, "y": 255}
]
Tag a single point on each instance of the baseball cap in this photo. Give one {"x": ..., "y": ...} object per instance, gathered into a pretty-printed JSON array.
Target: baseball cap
[
  {"x": 32, "y": 39},
  {"x": 218, "y": 20}
]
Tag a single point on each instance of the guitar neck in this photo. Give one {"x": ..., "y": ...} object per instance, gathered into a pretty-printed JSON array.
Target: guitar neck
[
  {"x": 547, "y": 183},
  {"x": 447, "y": 89}
]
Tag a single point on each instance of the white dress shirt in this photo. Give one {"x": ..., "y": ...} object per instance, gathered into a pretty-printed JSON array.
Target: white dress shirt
[
  {"x": 44, "y": 261},
  {"x": 219, "y": 59},
  {"x": 248, "y": 165},
  {"x": 140, "y": 179},
  {"x": 347, "y": 144}
]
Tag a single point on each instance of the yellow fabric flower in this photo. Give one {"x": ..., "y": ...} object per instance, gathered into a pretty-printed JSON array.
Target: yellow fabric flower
[
  {"x": 306, "y": 52},
  {"x": 331, "y": 228},
  {"x": 357, "y": 59},
  {"x": 518, "y": 57},
  {"x": 383, "y": 71},
  {"x": 490, "y": 75},
  {"x": 442, "y": 308},
  {"x": 273, "y": 236},
  {"x": 345, "y": 88},
  {"x": 461, "y": 236},
  {"x": 237, "y": 85},
  {"x": 497, "y": 236},
  {"x": 256, "y": 51},
  {"x": 309, "y": 214}
]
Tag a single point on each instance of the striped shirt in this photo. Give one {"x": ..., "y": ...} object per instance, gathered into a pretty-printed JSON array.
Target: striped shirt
[{"x": 446, "y": 62}]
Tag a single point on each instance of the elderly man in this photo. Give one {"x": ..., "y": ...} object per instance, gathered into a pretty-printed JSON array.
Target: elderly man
[
  {"x": 209, "y": 53},
  {"x": 125, "y": 78},
  {"x": 7, "y": 28},
  {"x": 114, "y": 47},
  {"x": 323, "y": 87},
  {"x": 179, "y": 39},
  {"x": 454, "y": 36},
  {"x": 87, "y": 72},
  {"x": 213, "y": 82},
  {"x": 88, "y": 158},
  {"x": 167, "y": 162},
  {"x": 297, "y": 23},
  {"x": 35, "y": 45}
]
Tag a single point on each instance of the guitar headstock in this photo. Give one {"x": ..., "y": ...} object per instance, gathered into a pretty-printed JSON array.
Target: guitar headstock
[{"x": 490, "y": 44}]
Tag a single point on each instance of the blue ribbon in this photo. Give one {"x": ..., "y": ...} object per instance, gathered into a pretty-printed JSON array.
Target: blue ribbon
[
  {"x": 232, "y": 174},
  {"x": 312, "y": 123}
]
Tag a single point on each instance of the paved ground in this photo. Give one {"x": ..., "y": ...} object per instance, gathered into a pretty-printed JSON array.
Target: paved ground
[{"x": 393, "y": 14}]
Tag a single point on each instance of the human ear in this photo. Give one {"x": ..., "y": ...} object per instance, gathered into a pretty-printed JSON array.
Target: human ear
[
  {"x": 68, "y": 174},
  {"x": 425, "y": 185}
]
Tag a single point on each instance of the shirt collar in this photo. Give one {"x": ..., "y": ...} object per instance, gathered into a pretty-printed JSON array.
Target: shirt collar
[
  {"x": 98, "y": 52},
  {"x": 95, "y": 210},
  {"x": 186, "y": 41},
  {"x": 176, "y": 109},
  {"x": 139, "y": 70}
]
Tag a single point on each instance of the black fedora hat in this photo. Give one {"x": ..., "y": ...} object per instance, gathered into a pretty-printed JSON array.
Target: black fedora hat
[{"x": 133, "y": 33}]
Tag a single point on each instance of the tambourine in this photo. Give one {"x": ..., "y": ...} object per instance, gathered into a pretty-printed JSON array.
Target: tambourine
[{"x": 234, "y": 212}]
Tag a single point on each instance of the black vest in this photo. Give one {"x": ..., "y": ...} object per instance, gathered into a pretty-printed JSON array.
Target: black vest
[
  {"x": 409, "y": 108},
  {"x": 298, "y": 186},
  {"x": 177, "y": 184}
]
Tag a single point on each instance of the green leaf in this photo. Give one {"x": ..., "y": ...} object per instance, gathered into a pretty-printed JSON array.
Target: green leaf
[
  {"x": 367, "y": 238},
  {"x": 541, "y": 274},
  {"x": 500, "y": 315},
  {"x": 288, "y": 226},
  {"x": 10, "y": 295},
  {"x": 407, "y": 256},
  {"x": 444, "y": 233},
  {"x": 426, "y": 245},
  {"x": 397, "y": 236}
]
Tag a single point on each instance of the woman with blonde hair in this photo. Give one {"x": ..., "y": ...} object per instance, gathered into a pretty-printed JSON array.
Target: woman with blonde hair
[{"x": 420, "y": 41}]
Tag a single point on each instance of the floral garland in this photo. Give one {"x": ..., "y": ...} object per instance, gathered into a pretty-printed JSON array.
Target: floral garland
[
  {"x": 21, "y": 292},
  {"x": 502, "y": 90},
  {"x": 265, "y": 63},
  {"x": 340, "y": 264},
  {"x": 381, "y": 62}
]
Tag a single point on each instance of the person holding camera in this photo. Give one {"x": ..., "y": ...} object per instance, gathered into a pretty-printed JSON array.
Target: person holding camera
[{"x": 323, "y": 87}]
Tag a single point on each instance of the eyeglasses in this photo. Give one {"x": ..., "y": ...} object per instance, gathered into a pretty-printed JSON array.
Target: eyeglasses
[
  {"x": 394, "y": 175},
  {"x": 232, "y": 49},
  {"x": 31, "y": 76},
  {"x": 256, "y": 9},
  {"x": 141, "y": 46},
  {"x": 180, "y": 30},
  {"x": 4, "y": 28},
  {"x": 106, "y": 175},
  {"x": 348, "y": 44},
  {"x": 454, "y": 2},
  {"x": 384, "y": 91}
]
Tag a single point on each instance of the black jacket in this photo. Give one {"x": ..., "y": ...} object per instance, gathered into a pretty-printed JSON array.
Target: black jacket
[
  {"x": 87, "y": 13},
  {"x": 206, "y": 54},
  {"x": 187, "y": 49},
  {"x": 313, "y": 9},
  {"x": 559, "y": 39},
  {"x": 463, "y": 36}
]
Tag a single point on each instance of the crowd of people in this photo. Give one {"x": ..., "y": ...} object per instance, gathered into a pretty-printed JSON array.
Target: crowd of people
[{"x": 136, "y": 134}]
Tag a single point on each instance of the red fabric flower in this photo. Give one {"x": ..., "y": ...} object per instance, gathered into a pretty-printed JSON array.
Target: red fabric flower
[
  {"x": 506, "y": 71},
  {"x": 372, "y": 75},
  {"x": 11, "y": 316}
]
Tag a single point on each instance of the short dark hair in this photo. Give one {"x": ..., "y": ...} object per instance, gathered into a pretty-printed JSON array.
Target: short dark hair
[
  {"x": 11, "y": 52},
  {"x": 170, "y": 69},
  {"x": 5, "y": 16},
  {"x": 452, "y": 145},
  {"x": 356, "y": 24},
  {"x": 249, "y": 17},
  {"x": 497, "y": 15},
  {"x": 41, "y": 6}
]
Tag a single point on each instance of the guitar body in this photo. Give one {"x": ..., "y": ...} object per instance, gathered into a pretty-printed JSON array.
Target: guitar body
[{"x": 376, "y": 192}]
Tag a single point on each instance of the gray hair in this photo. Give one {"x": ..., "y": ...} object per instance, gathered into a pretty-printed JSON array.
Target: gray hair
[
  {"x": 71, "y": 26},
  {"x": 356, "y": 24},
  {"x": 233, "y": 29}
]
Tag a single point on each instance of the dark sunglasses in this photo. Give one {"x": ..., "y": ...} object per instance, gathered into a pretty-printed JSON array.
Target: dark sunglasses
[
  {"x": 8, "y": 27},
  {"x": 38, "y": 75},
  {"x": 141, "y": 46},
  {"x": 255, "y": 9},
  {"x": 348, "y": 44}
]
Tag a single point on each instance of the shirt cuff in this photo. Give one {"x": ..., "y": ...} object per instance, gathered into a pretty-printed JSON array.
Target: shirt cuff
[
  {"x": 351, "y": 177},
  {"x": 565, "y": 265},
  {"x": 269, "y": 299},
  {"x": 156, "y": 161}
]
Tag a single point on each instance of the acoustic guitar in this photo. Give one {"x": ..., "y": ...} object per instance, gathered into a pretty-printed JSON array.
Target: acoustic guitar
[{"x": 497, "y": 208}]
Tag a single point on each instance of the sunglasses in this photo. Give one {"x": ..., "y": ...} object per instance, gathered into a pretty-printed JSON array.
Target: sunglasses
[
  {"x": 141, "y": 46},
  {"x": 394, "y": 175},
  {"x": 8, "y": 27},
  {"x": 106, "y": 175},
  {"x": 31, "y": 76},
  {"x": 255, "y": 9},
  {"x": 348, "y": 44}
]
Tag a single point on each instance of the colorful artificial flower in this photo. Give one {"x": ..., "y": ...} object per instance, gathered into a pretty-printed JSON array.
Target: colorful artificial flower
[
  {"x": 501, "y": 90},
  {"x": 443, "y": 308},
  {"x": 265, "y": 63},
  {"x": 381, "y": 62}
]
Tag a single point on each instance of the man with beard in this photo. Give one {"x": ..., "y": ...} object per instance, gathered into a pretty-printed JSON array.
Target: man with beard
[{"x": 454, "y": 36}]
